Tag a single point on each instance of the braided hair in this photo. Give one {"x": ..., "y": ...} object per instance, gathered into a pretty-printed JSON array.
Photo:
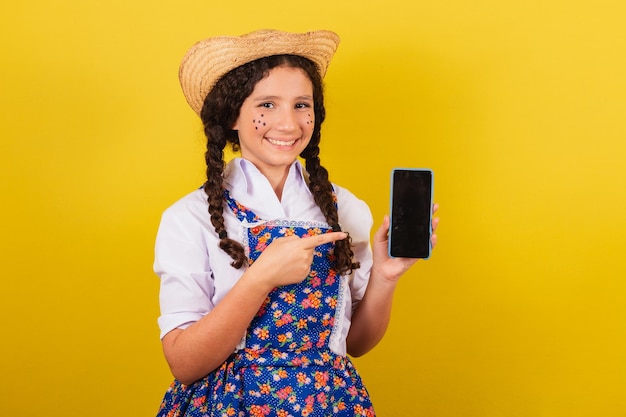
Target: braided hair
[{"x": 220, "y": 112}]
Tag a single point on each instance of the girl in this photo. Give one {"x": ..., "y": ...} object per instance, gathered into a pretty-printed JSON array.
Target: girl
[{"x": 267, "y": 276}]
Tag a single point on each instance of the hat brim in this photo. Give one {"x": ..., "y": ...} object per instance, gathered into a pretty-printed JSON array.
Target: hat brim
[{"x": 210, "y": 59}]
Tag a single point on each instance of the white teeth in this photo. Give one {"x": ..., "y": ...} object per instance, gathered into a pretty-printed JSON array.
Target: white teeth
[{"x": 280, "y": 142}]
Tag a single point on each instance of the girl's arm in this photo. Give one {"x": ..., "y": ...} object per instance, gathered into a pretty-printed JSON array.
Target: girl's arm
[
  {"x": 197, "y": 350},
  {"x": 371, "y": 317}
]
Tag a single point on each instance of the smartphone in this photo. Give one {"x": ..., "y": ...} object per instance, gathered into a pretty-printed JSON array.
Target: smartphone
[{"x": 410, "y": 226}]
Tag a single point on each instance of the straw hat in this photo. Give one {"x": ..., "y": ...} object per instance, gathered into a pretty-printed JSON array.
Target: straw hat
[{"x": 208, "y": 60}]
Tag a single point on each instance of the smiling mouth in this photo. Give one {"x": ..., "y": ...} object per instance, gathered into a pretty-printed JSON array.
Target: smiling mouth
[{"x": 280, "y": 142}]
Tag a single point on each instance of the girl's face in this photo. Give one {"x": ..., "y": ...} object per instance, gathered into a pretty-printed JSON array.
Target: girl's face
[{"x": 276, "y": 121}]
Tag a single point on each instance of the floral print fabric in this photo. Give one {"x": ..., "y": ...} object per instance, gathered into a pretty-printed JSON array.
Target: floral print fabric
[{"x": 286, "y": 368}]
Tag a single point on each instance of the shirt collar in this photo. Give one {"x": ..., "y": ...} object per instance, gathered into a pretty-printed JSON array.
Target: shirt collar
[{"x": 241, "y": 174}]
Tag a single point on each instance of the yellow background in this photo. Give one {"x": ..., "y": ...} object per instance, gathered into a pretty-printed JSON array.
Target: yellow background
[{"x": 518, "y": 106}]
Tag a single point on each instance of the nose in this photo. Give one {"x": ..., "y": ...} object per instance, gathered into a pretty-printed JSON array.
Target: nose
[{"x": 288, "y": 120}]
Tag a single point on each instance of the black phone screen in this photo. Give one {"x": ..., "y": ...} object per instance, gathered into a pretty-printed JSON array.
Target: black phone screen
[{"x": 411, "y": 206}]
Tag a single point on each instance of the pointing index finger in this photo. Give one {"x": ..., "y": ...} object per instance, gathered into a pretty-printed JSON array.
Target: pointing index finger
[{"x": 314, "y": 241}]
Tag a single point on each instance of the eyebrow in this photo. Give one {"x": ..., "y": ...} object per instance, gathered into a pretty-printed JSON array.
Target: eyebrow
[{"x": 264, "y": 98}]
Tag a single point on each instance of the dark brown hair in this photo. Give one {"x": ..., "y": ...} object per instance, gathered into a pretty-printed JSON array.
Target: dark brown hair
[{"x": 220, "y": 112}]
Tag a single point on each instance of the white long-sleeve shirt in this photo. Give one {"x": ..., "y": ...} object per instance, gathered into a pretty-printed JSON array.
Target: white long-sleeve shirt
[{"x": 196, "y": 274}]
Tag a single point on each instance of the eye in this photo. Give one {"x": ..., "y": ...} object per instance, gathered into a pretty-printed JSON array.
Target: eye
[
  {"x": 303, "y": 105},
  {"x": 267, "y": 105}
]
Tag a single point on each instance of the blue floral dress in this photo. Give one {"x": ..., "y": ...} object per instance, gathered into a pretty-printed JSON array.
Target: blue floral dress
[{"x": 286, "y": 368}]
